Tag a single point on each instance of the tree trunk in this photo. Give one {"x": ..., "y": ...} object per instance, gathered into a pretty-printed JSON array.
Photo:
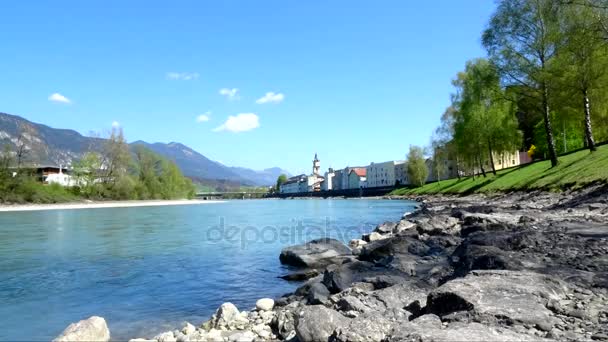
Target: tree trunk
[
  {"x": 491, "y": 158},
  {"x": 548, "y": 128},
  {"x": 481, "y": 167},
  {"x": 588, "y": 131}
]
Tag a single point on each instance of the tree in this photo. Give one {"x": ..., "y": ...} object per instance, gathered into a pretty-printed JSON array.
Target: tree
[
  {"x": 417, "y": 171},
  {"x": 115, "y": 157},
  {"x": 522, "y": 39},
  {"x": 583, "y": 59},
  {"x": 86, "y": 171},
  {"x": 280, "y": 180},
  {"x": 484, "y": 122}
]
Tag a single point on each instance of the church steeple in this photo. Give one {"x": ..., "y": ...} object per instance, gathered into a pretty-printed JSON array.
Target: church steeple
[{"x": 316, "y": 165}]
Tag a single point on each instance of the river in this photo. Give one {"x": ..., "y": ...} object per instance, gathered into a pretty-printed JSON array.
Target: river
[{"x": 148, "y": 269}]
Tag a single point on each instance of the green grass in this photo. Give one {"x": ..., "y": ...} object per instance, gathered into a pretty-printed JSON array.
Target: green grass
[{"x": 573, "y": 171}]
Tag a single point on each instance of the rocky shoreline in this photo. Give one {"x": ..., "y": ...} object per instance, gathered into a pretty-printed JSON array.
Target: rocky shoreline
[{"x": 511, "y": 267}]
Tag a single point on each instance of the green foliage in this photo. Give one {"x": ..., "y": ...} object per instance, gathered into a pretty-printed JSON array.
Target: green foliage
[
  {"x": 280, "y": 180},
  {"x": 417, "y": 170}
]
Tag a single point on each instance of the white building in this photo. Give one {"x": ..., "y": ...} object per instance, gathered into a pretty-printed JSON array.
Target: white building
[
  {"x": 327, "y": 182},
  {"x": 388, "y": 173},
  {"x": 292, "y": 185}
]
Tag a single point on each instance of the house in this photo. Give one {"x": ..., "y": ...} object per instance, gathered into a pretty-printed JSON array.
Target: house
[
  {"x": 337, "y": 180},
  {"x": 292, "y": 185},
  {"x": 388, "y": 173},
  {"x": 357, "y": 178},
  {"x": 55, "y": 175},
  {"x": 327, "y": 184}
]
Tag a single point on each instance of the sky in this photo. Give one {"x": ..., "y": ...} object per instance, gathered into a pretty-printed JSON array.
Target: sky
[{"x": 256, "y": 84}]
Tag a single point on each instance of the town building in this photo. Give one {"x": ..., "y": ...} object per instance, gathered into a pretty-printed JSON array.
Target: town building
[
  {"x": 385, "y": 174},
  {"x": 357, "y": 178},
  {"x": 327, "y": 183},
  {"x": 337, "y": 180}
]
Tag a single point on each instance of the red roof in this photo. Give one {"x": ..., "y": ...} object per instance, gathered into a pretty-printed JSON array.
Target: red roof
[{"x": 359, "y": 171}]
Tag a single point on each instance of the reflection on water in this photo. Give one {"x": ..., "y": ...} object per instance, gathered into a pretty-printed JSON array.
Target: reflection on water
[{"x": 148, "y": 269}]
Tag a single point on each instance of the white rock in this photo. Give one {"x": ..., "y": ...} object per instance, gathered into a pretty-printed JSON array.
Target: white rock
[
  {"x": 265, "y": 334},
  {"x": 141, "y": 340},
  {"x": 188, "y": 329},
  {"x": 242, "y": 336},
  {"x": 167, "y": 336},
  {"x": 264, "y": 304},
  {"x": 92, "y": 329},
  {"x": 225, "y": 315},
  {"x": 356, "y": 243},
  {"x": 214, "y": 335},
  {"x": 374, "y": 236}
]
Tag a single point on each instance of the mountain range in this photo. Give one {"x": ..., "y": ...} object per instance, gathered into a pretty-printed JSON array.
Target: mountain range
[{"x": 53, "y": 146}]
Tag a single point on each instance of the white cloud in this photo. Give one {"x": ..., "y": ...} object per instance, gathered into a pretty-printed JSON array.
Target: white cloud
[
  {"x": 231, "y": 94},
  {"x": 240, "y": 123},
  {"x": 115, "y": 124},
  {"x": 271, "y": 97},
  {"x": 203, "y": 117},
  {"x": 182, "y": 76},
  {"x": 56, "y": 97}
]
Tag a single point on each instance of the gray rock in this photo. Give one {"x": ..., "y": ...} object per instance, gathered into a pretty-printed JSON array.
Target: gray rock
[
  {"x": 91, "y": 329},
  {"x": 512, "y": 295},
  {"x": 283, "y": 322},
  {"x": 338, "y": 277},
  {"x": 318, "y": 323},
  {"x": 351, "y": 303},
  {"x": 317, "y": 294},
  {"x": 437, "y": 224},
  {"x": 372, "y": 326},
  {"x": 459, "y": 331},
  {"x": 386, "y": 228},
  {"x": 316, "y": 253},
  {"x": 301, "y": 275}
]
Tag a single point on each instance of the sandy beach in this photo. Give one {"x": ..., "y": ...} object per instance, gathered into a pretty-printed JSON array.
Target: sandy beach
[{"x": 96, "y": 205}]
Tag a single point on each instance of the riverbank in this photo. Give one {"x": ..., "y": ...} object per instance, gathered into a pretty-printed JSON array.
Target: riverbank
[
  {"x": 518, "y": 267},
  {"x": 575, "y": 171},
  {"x": 101, "y": 204}
]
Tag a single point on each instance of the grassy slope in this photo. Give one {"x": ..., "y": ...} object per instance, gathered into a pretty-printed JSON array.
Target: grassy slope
[{"x": 574, "y": 170}]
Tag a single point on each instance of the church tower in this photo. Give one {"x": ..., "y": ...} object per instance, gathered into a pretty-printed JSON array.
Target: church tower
[{"x": 316, "y": 166}]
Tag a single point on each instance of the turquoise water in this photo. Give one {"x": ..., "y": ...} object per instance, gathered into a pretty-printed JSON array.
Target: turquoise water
[{"x": 148, "y": 269}]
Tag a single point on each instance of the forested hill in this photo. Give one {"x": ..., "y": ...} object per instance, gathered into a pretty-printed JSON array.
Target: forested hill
[{"x": 47, "y": 145}]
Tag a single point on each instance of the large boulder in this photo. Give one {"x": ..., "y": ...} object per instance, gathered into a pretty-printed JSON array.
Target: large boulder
[
  {"x": 517, "y": 297},
  {"x": 437, "y": 225},
  {"x": 381, "y": 249},
  {"x": 370, "y": 326},
  {"x": 91, "y": 329},
  {"x": 338, "y": 277},
  {"x": 315, "y": 253},
  {"x": 318, "y": 323},
  {"x": 469, "y": 257},
  {"x": 430, "y": 331}
]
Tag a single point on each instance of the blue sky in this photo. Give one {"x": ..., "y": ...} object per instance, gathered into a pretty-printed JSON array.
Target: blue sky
[{"x": 355, "y": 81}]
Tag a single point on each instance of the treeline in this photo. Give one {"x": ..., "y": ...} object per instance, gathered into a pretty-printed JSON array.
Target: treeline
[
  {"x": 542, "y": 88},
  {"x": 110, "y": 172}
]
